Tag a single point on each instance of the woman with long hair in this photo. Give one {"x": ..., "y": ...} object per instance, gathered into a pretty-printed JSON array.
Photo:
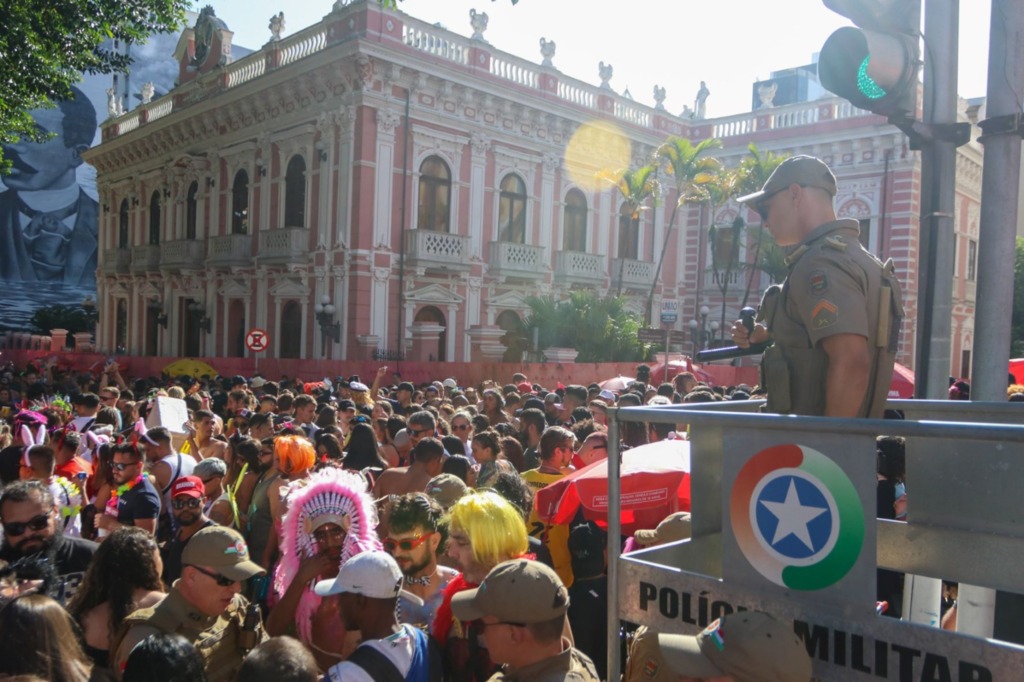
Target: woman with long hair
[
  {"x": 39, "y": 639},
  {"x": 328, "y": 448},
  {"x": 124, "y": 576},
  {"x": 362, "y": 452},
  {"x": 489, "y": 455},
  {"x": 494, "y": 407}
]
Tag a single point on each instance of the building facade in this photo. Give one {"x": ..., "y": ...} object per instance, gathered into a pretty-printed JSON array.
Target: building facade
[{"x": 412, "y": 188}]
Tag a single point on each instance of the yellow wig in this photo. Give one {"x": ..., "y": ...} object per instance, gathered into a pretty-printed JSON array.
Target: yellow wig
[
  {"x": 294, "y": 453},
  {"x": 493, "y": 525}
]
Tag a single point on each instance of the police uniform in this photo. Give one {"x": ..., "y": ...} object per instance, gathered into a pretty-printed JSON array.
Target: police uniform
[
  {"x": 219, "y": 640},
  {"x": 645, "y": 662},
  {"x": 834, "y": 286},
  {"x": 572, "y": 665},
  {"x": 222, "y": 640}
]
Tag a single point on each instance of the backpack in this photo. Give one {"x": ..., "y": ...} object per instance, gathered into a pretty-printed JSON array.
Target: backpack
[{"x": 380, "y": 668}]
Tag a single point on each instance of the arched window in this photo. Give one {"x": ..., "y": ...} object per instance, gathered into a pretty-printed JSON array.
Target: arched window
[
  {"x": 574, "y": 235},
  {"x": 295, "y": 193},
  {"x": 629, "y": 233},
  {"x": 154, "y": 218},
  {"x": 512, "y": 210},
  {"x": 123, "y": 236},
  {"x": 430, "y": 352},
  {"x": 191, "y": 210},
  {"x": 121, "y": 326},
  {"x": 434, "y": 211},
  {"x": 516, "y": 343},
  {"x": 240, "y": 203},
  {"x": 291, "y": 330}
]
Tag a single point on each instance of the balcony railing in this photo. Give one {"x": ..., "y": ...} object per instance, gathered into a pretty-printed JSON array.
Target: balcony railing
[
  {"x": 732, "y": 278},
  {"x": 634, "y": 273},
  {"x": 284, "y": 246},
  {"x": 145, "y": 258},
  {"x": 574, "y": 267},
  {"x": 117, "y": 261},
  {"x": 182, "y": 254},
  {"x": 230, "y": 250},
  {"x": 516, "y": 260},
  {"x": 429, "y": 249}
]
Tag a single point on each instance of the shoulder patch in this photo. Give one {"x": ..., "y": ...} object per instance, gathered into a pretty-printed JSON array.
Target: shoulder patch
[
  {"x": 651, "y": 668},
  {"x": 825, "y": 314},
  {"x": 817, "y": 282}
]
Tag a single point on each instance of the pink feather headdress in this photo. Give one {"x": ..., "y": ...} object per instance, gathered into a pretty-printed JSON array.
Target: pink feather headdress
[{"x": 329, "y": 491}]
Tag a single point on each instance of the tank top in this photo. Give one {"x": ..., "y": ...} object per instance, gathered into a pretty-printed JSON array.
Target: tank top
[
  {"x": 260, "y": 524},
  {"x": 180, "y": 465}
]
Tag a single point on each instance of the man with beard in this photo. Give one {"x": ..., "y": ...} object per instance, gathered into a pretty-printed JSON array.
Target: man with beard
[
  {"x": 187, "y": 500},
  {"x": 31, "y": 523},
  {"x": 135, "y": 501},
  {"x": 48, "y": 225},
  {"x": 413, "y": 541}
]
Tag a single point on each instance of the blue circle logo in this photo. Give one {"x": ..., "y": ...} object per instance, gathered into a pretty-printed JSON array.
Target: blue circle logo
[{"x": 795, "y": 517}]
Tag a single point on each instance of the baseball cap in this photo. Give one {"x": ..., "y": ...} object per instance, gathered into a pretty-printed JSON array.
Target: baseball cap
[
  {"x": 672, "y": 528},
  {"x": 238, "y": 380},
  {"x": 516, "y": 591},
  {"x": 450, "y": 383},
  {"x": 223, "y": 550},
  {"x": 524, "y": 387},
  {"x": 192, "y": 486},
  {"x": 803, "y": 170},
  {"x": 358, "y": 387},
  {"x": 447, "y": 489},
  {"x": 406, "y": 386},
  {"x": 374, "y": 574},
  {"x": 605, "y": 394},
  {"x": 329, "y": 517},
  {"x": 258, "y": 382},
  {"x": 746, "y": 645},
  {"x": 587, "y": 543}
]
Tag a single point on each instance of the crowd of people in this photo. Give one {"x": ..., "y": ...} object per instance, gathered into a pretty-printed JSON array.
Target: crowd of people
[{"x": 293, "y": 530}]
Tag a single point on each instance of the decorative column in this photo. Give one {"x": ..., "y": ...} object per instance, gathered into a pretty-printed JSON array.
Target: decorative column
[
  {"x": 549, "y": 165},
  {"x": 472, "y": 306},
  {"x": 379, "y": 293},
  {"x": 426, "y": 338},
  {"x": 487, "y": 345},
  {"x": 480, "y": 145},
  {"x": 58, "y": 340},
  {"x": 387, "y": 121},
  {"x": 346, "y": 119}
]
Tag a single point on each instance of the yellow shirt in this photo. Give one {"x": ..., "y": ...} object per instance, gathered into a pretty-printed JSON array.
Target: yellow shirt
[{"x": 556, "y": 538}]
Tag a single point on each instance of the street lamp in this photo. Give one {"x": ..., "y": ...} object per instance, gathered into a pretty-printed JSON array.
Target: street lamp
[
  {"x": 714, "y": 333},
  {"x": 704, "y": 312},
  {"x": 204, "y": 322},
  {"x": 329, "y": 327},
  {"x": 694, "y": 325},
  {"x": 158, "y": 309}
]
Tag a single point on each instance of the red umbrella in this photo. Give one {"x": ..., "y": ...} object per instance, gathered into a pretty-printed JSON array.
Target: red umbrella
[
  {"x": 658, "y": 374},
  {"x": 902, "y": 385},
  {"x": 1017, "y": 369},
  {"x": 617, "y": 384},
  {"x": 654, "y": 482}
]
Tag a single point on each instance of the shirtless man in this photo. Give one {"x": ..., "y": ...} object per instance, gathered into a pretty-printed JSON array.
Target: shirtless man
[
  {"x": 201, "y": 443},
  {"x": 427, "y": 462}
]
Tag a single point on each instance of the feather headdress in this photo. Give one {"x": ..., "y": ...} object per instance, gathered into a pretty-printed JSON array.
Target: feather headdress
[{"x": 334, "y": 492}]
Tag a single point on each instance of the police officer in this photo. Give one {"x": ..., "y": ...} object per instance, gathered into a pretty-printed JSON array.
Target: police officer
[
  {"x": 522, "y": 606},
  {"x": 834, "y": 322},
  {"x": 205, "y": 605}
]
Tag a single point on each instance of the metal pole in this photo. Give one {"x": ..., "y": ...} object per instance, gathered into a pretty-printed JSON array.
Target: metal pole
[
  {"x": 614, "y": 543},
  {"x": 996, "y": 250},
  {"x": 938, "y": 189}
]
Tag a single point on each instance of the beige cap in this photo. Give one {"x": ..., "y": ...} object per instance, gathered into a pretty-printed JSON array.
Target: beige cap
[
  {"x": 747, "y": 645},
  {"x": 807, "y": 171},
  {"x": 447, "y": 489},
  {"x": 673, "y": 528},
  {"x": 223, "y": 550},
  {"x": 516, "y": 591}
]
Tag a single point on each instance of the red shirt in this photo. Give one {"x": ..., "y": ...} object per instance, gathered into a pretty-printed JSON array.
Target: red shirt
[{"x": 72, "y": 469}]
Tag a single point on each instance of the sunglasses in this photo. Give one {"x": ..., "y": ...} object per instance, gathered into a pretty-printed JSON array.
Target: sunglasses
[
  {"x": 222, "y": 580},
  {"x": 16, "y": 528},
  {"x": 405, "y": 545},
  {"x": 121, "y": 466},
  {"x": 420, "y": 432},
  {"x": 190, "y": 503}
]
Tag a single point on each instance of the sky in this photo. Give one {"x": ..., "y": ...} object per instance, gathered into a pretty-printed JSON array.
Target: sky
[{"x": 730, "y": 44}]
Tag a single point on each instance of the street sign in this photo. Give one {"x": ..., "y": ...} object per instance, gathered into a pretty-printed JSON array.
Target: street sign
[
  {"x": 669, "y": 312},
  {"x": 651, "y": 335},
  {"x": 257, "y": 340}
]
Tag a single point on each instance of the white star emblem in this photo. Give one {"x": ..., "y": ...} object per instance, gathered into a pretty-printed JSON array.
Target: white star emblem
[{"x": 793, "y": 517}]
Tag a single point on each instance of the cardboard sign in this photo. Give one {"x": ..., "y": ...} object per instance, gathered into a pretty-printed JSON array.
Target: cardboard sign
[{"x": 170, "y": 413}]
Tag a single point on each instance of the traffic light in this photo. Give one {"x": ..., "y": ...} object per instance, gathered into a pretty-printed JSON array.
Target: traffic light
[{"x": 875, "y": 66}]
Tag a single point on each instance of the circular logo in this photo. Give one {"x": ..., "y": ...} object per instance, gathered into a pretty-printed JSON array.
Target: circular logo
[{"x": 797, "y": 517}]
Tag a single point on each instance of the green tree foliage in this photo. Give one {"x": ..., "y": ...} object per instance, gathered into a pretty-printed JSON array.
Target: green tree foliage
[
  {"x": 73, "y": 318},
  {"x": 601, "y": 329},
  {"x": 753, "y": 173},
  {"x": 46, "y": 45},
  {"x": 1017, "y": 321},
  {"x": 636, "y": 186}
]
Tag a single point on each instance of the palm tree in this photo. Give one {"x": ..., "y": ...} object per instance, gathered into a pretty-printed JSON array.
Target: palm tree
[
  {"x": 754, "y": 171},
  {"x": 692, "y": 172},
  {"x": 721, "y": 189},
  {"x": 635, "y": 186}
]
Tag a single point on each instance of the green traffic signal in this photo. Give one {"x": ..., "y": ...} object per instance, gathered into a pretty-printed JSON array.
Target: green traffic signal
[{"x": 866, "y": 84}]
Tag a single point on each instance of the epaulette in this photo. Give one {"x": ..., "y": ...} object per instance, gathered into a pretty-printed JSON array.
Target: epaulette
[{"x": 836, "y": 242}]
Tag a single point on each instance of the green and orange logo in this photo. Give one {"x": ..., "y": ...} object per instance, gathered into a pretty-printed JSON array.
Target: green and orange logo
[{"x": 797, "y": 517}]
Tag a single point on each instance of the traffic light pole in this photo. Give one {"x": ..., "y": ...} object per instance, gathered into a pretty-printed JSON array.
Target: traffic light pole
[
  {"x": 992, "y": 331},
  {"x": 938, "y": 192}
]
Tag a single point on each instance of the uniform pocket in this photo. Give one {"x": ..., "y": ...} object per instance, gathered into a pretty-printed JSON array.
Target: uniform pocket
[{"x": 776, "y": 373}]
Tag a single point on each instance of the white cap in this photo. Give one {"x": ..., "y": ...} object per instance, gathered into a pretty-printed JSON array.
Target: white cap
[
  {"x": 373, "y": 574},
  {"x": 358, "y": 387},
  {"x": 450, "y": 383}
]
